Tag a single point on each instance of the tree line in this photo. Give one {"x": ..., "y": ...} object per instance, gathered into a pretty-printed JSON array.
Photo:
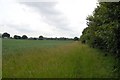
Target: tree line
[
  {"x": 103, "y": 29},
  {"x": 7, "y": 35}
]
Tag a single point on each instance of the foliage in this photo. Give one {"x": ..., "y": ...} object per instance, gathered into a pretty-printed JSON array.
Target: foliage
[
  {"x": 103, "y": 29},
  {"x": 24, "y": 37},
  {"x": 41, "y": 37},
  {"x": 17, "y": 37},
  {"x": 5, "y": 35},
  {"x": 76, "y": 38},
  {"x": 0, "y": 35}
]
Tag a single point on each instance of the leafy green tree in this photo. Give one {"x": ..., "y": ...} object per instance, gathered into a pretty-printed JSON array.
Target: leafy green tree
[
  {"x": 17, "y": 37},
  {"x": 0, "y": 35},
  {"x": 76, "y": 38},
  {"x": 41, "y": 37},
  {"x": 24, "y": 37},
  {"x": 5, "y": 35},
  {"x": 103, "y": 29}
]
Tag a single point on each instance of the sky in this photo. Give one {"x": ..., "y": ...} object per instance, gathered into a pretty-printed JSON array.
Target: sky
[{"x": 49, "y": 18}]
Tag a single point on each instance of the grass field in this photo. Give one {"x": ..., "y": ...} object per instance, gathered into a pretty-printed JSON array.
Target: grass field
[
  {"x": 54, "y": 59},
  {"x": 0, "y": 58}
]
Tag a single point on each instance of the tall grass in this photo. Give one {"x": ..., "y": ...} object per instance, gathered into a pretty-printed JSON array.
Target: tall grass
[
  {"x": 71, "y": 60},
  {"x": 0, "y": 57}
]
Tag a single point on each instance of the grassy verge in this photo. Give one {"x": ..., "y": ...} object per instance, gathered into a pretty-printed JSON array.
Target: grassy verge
[
  {"x": 73, "y": 60},
  {"x": 0, "y": 58}
]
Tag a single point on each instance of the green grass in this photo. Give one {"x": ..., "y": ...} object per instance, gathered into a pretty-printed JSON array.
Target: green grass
[
  {"x": 54, "y": 59},
  {"x": 11, "y": 45},
  {"x": 0, "y": 58}
]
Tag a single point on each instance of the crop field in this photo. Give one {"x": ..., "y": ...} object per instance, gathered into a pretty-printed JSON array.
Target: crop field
[
  {"x": 54, "y": 59},
  {"x": 0, "y": 58}
]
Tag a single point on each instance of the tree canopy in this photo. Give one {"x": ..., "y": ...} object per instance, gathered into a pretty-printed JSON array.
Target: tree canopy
[
  {"x": 0, "y": 35},
  {"x": 5, "y": 35},
  {"x": 24, "y": 37},
  {"x": 41, "y": 37},
  {"x": 103, "y": 29},
  {"x": 76, "y": 38},
  {"x": 17, "y": 37}
]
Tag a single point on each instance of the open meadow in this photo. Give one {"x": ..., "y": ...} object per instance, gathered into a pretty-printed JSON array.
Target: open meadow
[{"x": 54, "y": 59}]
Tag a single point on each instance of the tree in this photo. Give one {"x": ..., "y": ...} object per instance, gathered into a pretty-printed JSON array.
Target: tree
[
  {"x": 0, "y": 35},
  {"x": 103, "y": 29},
  {"x": 24, "y": 37},
  {"x": 17, "y": 37},
  {"x": 5, "y": 35},
  {"x": 76, "y": 38},
  {"x": 41, "y": 37}
]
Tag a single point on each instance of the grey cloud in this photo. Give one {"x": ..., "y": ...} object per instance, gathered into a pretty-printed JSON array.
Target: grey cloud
[
  {"x": 50, "y": 15},
  {"x": 44, "y": 7}
]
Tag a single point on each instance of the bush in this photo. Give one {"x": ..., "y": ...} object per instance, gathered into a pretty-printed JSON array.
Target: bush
[
  {"x": 24, "y": 37},
  {"x": 5, "y": 35}
]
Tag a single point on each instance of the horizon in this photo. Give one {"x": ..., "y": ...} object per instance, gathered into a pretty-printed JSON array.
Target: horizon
[
  {"x": 57, "y": 18},
  {"x": 37, "y": 36}
]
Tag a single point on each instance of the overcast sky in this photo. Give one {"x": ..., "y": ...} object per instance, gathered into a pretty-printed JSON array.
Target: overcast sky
[{"x": 56, "y": 18}]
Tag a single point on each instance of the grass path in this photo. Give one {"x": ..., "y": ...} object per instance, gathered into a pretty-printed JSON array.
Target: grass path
[{"x": 73, "y": 60}]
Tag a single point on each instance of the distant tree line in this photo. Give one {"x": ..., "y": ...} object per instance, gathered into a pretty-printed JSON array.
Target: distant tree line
[
  {"x": 0, "y": 35},
  {"x": 103, "y": 29},
  {"x": 7, "y": 35}
]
